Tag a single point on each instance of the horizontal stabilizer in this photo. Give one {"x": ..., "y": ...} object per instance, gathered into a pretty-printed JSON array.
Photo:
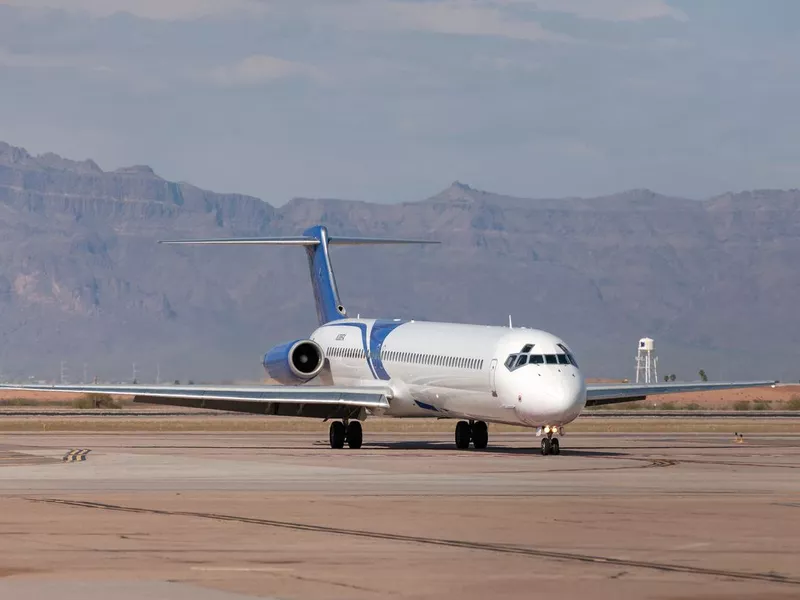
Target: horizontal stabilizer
[
  {"x": 299, "y": 241},
  {"x": 358, "y": 241}
]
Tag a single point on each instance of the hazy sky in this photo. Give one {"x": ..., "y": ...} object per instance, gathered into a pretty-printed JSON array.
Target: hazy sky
[{"x": 390, "y": 100}]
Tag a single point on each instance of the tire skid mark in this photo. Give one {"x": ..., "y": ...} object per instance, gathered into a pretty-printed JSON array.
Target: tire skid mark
[{"x": 467, "y": 545}]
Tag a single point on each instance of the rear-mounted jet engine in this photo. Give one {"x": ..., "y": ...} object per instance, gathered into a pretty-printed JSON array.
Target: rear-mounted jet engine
[{"x": 295, "y": 362}]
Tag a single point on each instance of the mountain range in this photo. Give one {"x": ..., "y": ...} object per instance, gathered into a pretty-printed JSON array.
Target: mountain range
[{"x": 83, "y": 282}]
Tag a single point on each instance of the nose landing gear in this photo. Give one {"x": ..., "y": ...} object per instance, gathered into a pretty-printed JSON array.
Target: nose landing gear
[
  {"x": 350, "y": 432},
  {"x": 476, "y": 432},
  {"x": 550, "y": 444}
]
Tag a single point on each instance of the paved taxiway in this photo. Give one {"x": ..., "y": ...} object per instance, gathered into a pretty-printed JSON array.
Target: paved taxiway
[{"x": 228, "y": 516}]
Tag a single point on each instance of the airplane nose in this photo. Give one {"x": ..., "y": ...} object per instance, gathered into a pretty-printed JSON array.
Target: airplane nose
[{"x": 554, "y": 402}]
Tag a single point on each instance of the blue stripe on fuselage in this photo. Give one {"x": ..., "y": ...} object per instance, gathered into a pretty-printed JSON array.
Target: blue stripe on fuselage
[
  {"x": 372, "y": 350},
  {"x": 380, "y": 330},
  {"x": 426, "y": 406}
]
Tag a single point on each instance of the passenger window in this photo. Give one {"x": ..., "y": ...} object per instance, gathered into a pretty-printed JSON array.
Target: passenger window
[
  {"x": 562, "y": 359},
  {"x": 551, "y": 359}
]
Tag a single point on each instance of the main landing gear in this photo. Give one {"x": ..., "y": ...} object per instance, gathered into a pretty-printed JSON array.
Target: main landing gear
[
  {"x": 550, "y": 444},
  {"x": 350, "y": 432},
  {"x": 476, "y": 432}
]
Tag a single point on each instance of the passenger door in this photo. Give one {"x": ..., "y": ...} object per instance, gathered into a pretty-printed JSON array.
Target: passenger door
[{"x": 492, "y": 376}]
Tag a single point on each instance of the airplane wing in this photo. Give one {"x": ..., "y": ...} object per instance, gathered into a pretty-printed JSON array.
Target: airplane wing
[
  {"x": 326, "y": 402},
  {"x": 598, "y": 394}
]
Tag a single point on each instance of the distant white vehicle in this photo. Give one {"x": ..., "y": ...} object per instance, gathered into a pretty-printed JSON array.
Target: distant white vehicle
[{"x": 349, "y": 369}]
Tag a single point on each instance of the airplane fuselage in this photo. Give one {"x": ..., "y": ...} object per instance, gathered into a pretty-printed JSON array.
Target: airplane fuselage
[{"x": 494, "y": 374}]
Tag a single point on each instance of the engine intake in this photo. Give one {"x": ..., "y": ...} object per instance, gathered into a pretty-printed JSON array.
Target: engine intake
[{"x": 295, "y": 362}]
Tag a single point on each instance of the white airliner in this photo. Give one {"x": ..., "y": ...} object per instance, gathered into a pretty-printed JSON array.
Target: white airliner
[{"x": 349, "y": 369}]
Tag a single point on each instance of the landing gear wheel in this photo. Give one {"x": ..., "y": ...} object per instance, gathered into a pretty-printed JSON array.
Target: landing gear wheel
[
  {"x": 336, "y": 434},
  {"x": 546, "y": 446},
  {"x": 355, "y": 434},
  {"x": 480, "y": 435},
  {"x": 555, "y": 447},
  {"x": 463, "y": 435}
]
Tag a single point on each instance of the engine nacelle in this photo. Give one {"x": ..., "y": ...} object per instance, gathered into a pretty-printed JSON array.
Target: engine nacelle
[{"x": 295, "y": 362}]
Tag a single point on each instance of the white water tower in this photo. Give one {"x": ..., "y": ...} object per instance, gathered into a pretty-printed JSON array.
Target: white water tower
[{"x": 646, "y": 362}]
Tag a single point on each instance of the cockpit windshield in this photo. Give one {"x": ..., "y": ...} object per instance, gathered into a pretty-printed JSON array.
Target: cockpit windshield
[{"x": 520, "y": 359}]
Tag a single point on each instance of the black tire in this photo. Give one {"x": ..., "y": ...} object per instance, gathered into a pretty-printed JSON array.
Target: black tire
[
  {"x": 463, "y": 435},
  {"x": 546, "y": 446},
  {"x": 336, "y": 434},
  {"x": 555, "y": 447},
  {"x": 480, "y": 435},
  {"x": 355, "y": 435}
]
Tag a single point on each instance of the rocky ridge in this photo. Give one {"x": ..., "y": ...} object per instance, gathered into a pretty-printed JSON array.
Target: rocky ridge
[{"x": 83, "y": 280}]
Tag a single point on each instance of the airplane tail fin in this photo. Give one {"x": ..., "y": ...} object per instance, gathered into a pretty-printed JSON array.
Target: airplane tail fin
[{"x": 316, "y": 241}]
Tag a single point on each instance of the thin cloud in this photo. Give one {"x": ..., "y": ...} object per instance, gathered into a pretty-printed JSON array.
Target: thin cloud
[
  {"x": 259, "y": 69},
  {"x": 454, "y": 17},
  {"x": 49, "y": 61},
  {"x": 171, "y": 10},
  {"x": 603, "y": 10}
]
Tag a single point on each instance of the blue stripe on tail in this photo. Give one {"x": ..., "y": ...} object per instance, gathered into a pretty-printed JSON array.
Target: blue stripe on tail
[{"x": 326, "y": 296}]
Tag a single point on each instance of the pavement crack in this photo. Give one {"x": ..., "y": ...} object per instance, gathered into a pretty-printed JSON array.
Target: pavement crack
[{"x": 431, "y": 541}]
